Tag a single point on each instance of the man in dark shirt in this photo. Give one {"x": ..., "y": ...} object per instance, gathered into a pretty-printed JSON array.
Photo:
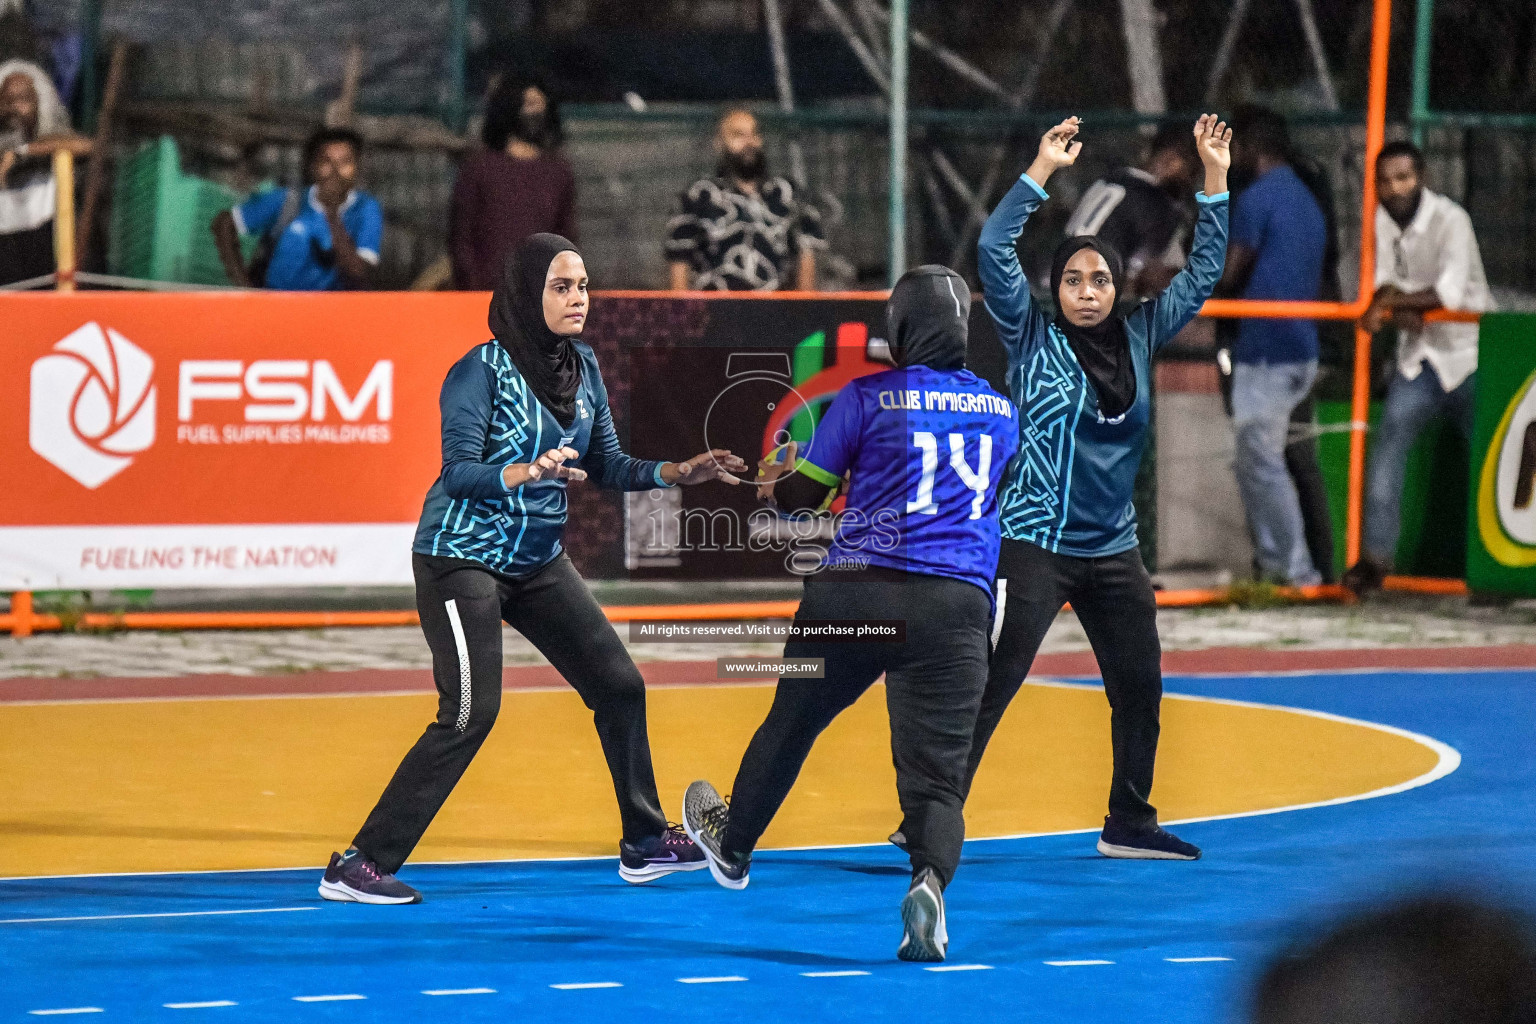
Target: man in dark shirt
[
  {"x": 1139, "y": 210},
  {"x": 742, "y": 230},
  {"x": 521, "y": 184}
]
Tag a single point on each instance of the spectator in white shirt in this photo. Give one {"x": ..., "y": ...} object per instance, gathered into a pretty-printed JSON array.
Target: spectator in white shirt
[
  {"x": 33, "y": 125},
  {"x": 1426, "y": 258}
]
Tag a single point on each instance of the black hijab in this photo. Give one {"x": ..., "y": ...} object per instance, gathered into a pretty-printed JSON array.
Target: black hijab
[
  {"x": 1102, "y": 350},
  {"x": 927, "y": 318},
  {"x": 547, "y": 361}
]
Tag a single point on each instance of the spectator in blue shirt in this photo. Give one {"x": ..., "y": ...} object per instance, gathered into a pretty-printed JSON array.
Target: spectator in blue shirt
[
  {"x": 325, "y": 238},
  {"x": 1279, "y": 236}
]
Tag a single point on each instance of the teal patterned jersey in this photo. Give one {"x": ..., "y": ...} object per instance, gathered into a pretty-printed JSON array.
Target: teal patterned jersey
[
  {"x": 1069, "y": 487},
  {"x": 490, "y": 420}
]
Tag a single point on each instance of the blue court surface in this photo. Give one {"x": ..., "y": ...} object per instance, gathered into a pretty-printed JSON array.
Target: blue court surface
[{"x": 1042, "y": 929}]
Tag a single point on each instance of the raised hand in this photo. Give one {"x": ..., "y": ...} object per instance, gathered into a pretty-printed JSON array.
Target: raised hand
[
  {"x": 715, "y": 464},
  {"x": 551, "y": 466},
  {"x": 1057, "y": 149},
  {"x": 1213, "y": 141}
]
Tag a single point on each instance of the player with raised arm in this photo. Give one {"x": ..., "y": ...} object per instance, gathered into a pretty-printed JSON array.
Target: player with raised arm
[
  {"x": 523, "y": 414},
  {"x": 1083, "y": 383},
  {"x": 924, "y": 445}
]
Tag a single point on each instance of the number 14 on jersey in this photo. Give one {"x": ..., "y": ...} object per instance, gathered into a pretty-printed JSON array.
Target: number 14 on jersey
[{"x": 976, "y": 480}]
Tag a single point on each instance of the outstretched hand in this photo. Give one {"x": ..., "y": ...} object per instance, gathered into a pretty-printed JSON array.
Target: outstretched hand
[
  {"x": 1213, "y": 141},
  {"x": 551, "y": 466},
  {"x": 715, "y": 464},
  {"x": 774, "y": 465},
  {"x": 1058, "y": 149}
]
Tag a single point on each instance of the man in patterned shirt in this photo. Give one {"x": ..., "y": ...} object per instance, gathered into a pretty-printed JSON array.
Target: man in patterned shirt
[{"x": 742, "y": 230}]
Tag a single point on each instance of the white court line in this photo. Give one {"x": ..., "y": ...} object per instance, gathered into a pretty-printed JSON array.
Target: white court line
[
  {"x": 944, "y": 968},
  {"x": 458, "y": 991},
  {"x": 71, "y": 1009},
  {"x": 711, "y": 981},
  {"x": 1449, "y": 761},
  {"x": 199, "y": 1006},
  {"x": 179, "y": 913},
  {"x": 834, "y": 974},
  {"x": 1078, "y": 963},
  {"x": 569, "y": 986},
  {"x": 328, "y": 999},
  {"x": 1197, "y": 959},
  {"x": 1449, "y": 758}
]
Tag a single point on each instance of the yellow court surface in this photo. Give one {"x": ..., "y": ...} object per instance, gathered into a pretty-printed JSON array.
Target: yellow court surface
[{"x": 265, "y": 782}]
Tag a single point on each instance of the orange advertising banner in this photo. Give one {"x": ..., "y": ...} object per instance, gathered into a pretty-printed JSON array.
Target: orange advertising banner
[{"x": 214, "y": 439}]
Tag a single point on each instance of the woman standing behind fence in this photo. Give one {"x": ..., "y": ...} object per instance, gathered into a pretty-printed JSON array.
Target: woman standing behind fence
[
  {"x": 1082, "y": 383},
  {"x": 522, "y": 415},
  {"x": 518, "y": 185}
]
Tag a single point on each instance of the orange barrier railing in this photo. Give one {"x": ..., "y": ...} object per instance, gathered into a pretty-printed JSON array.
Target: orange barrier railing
[{"x": 22, "y": 621}]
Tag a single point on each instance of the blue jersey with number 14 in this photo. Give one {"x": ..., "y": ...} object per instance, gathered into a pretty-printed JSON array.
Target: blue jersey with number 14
[{"x": 926, "y": 450}]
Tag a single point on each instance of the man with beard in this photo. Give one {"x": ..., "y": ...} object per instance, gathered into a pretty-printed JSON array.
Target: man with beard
[
  {"x": 1142, "y": 213},
  {"x": 742, "y": 230},
  {"x": 520, "y": 184},
  {"x": 33, "y": 126},
  {"x": 1426, "y": 258},
  {"x": 325, "y": 238}
]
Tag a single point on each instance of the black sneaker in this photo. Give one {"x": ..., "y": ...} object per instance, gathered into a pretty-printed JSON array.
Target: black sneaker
[
  {"x": 925, "y": 940},
  {"x": 659, "y": 855},
  {"x": 1365, "y": 576},
  {"x": 353, "y": 878},
  {"x": 1149, "y": 843},
  {"x": 704, "y": 819},
  {"x": 898, "y": 839}
]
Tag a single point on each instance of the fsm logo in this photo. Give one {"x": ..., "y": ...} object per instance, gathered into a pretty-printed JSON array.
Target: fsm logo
[
  {"x": 1506, "y": 493},
  {"x": 93, "y": 404}
]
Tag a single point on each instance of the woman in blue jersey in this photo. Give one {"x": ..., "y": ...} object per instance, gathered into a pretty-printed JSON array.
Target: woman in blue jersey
[
  {"x": 522, "y": 415},
  {"x": 1082, "y": 381},
  {"x": 923, "y": 445}
]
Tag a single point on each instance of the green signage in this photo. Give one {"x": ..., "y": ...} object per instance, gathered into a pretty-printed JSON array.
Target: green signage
[{"x": 1501, "y": 542}]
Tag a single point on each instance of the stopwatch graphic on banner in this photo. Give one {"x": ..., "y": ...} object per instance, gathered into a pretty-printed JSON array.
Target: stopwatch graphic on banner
[{"x": 92, "y": 404}]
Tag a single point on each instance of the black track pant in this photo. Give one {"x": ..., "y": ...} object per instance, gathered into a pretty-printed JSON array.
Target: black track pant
[
  {"x": 933, "y": 686},
  {"x": 1114, "y": 601},
  {"x": 1311, "y": 490},
  {"x": 462, "y": 606}
]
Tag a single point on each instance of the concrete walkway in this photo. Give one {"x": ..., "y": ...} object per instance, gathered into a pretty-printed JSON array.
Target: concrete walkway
[{"x": 1387, "y": 621}]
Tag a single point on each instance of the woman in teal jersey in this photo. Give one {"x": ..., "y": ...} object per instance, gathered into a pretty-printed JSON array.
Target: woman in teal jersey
[
  {"x": 522, "y": 415},
  {"x": 1082, "y": 381}
]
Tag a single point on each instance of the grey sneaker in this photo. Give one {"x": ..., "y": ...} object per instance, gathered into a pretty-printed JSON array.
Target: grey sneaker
[
  {"x": 926, "y": 940},
  {"x": 353, "y": 878},
  {"x": 705, "y": 816}
]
